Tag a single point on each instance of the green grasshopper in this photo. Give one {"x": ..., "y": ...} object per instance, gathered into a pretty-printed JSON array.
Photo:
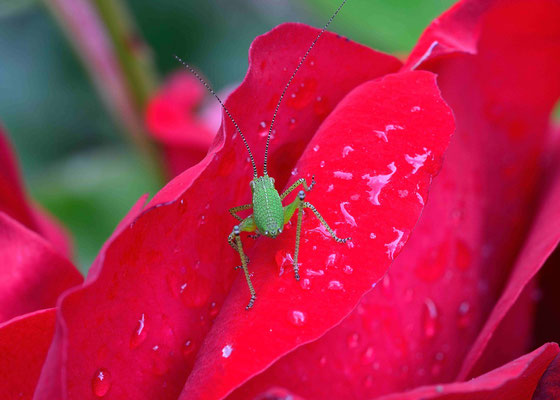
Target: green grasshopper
[{"x": 269, "y": 215}]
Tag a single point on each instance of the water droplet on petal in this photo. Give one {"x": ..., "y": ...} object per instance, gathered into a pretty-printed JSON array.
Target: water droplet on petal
[
  {"x": 321, "y": 106},
  {"x": 292, "y": 124},
  {"x": 335, "y": 285},
  {"x": 415, "y": 109},
  {"x": 347, "y": 269},
  {"x": 214, "y": 309},
  {"x": 305, "y": 284},
  {"x": 160, "y": 363},
  {"x": 323, "y": 361},
  {"x": 322, "y": 164},
  {"x": 302, "y": 94},
  {"x": 226, "y": 351},
  {"x": 464, "y": 315},
  {"x": 343, "y": 175},
  {"x": 139, "y": 334},
  {"x": 377, "y": 182},
  {"x": 346, "y": 150},
  {"x": 297, "y": 318},
  {"x": 417, "y": 161},
  {"x": 349, "y": 218},
  {"x": 331, "y": 259},
  {"x": 101, "y": 382},
  {"x": 353, "y": 340},
  {"x": 316, "y": 148},
  {"x": 283, "y": 259},
  {"x": 187, "y": 349},
  {"x": 395, "y": 245},
  {"x": 430, "y": 318},
  {"x": 368, "y": 355},
  {"x": 311, "y": 272}
]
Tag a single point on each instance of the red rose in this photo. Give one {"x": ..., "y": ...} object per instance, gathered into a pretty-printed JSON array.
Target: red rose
[
  {"x": 161, "y": 314},
  {"x": 34, "y": 271},
  {"x": 172, "y": 120}
]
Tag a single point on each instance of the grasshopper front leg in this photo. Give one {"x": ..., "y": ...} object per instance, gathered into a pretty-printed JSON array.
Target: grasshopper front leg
[{"x": 234, "y": 241}]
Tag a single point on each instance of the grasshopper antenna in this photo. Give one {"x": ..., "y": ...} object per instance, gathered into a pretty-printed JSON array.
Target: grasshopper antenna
[
  {"x": 187, "y": 66},
  {"x": 292, "y": 78}
]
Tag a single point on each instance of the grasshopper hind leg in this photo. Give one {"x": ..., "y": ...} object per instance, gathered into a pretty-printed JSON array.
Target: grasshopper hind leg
[{"x": 235, "y": 241}]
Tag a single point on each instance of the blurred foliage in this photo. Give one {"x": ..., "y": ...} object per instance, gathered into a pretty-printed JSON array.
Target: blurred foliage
[
  {"x": 392, "y": 26},
  {"x": 74, "y": 158}
]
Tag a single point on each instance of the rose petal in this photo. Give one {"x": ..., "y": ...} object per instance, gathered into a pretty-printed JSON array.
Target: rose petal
[
  {"x": 163, "y": 278},
  {"x": 549, "y": 384},
  {"x": 515, "y": 380},
  {"x": 33, "y": 274},
  {"x": 541, "y": 241},
  {"x": 358, "y": 203},
  {"x": 416, "y": 327},
  {"x": 456, "y": 30},
  {"x": 171, "y": 118},
  {"x": 24, "y": 342},
  {"x": 14, "y": 202}
]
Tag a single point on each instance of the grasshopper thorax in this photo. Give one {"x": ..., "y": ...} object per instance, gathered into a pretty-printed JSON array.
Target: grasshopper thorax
[{"x": 268, "y": 212}]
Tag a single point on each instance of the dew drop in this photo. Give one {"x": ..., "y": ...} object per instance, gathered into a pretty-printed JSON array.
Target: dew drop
[
  {"x": 464, "y": 315},
  {"x": 316, "y": 148},
  {"x": 353, "y": 340},
  {"x": 430, "y": 318},
  {"x": 283, "y": 259},
  {"x": 101, "y": 382},
  {"x": 292, "y": 124},
  {"x": 303, "y": 94},
  {"x": 372, "y": 235},
  {"x": 323, "y": 361},
  {"x": 321, "y": 106},
  {"x": 415, "y": 109},
  {"x": 377, "y": 182},
  {"x": 386, "y": 282},
  {"x": 347, "y": 269},
  {"x": 214, "y": 309},
  {"x": 262, "y": 129},
  {"x": 311, "y": 272},
  {"x": 417, "y": 161},
  {"x": 331, "y": 259},
  {"x": 395, "y": 244},
  {"x": 368, "y": 355},
  {"x": 343, "y": 175},
  {"x": 349, "y": 218},
  {"x": 305, "y": 284},
  {"x": 294, "y": 171},
  {"x": 322, "y": 164},
  {"x": 226, "y": 351},
  {"x": 187, "y": 349},
  {"x": 297, "y": 318},
  {"x": 330, "y": 188},
  {"x": 335, "y": 285},
  {"x": 139, "y": 334},
  {"x": 346, "y": 150}
]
